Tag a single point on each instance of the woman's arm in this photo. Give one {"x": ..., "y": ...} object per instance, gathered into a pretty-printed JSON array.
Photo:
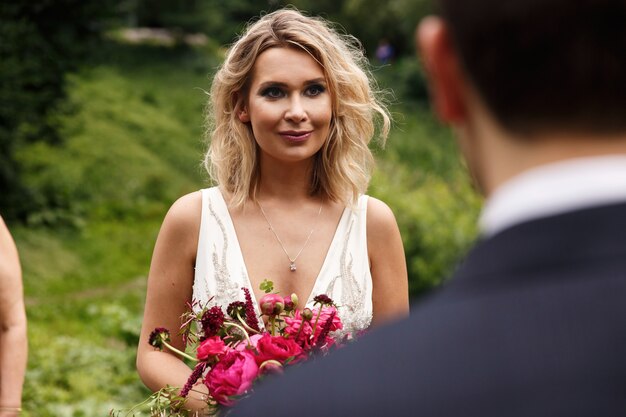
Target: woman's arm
[
  {"x": 387, "y": 264},
  {"x": 13, "y": 339},
  {"x": 170, "y": 283}
]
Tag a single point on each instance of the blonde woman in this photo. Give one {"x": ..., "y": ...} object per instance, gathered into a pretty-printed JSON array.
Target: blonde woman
[
  {"x": 292, "y": 112},
  {"x": 13, "y": 339}
]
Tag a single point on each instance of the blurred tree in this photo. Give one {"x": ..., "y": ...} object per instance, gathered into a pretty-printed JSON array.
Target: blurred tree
[
  {"x": 368, "y": 20},
  {"x": 372, "y": 20},
  {"x": 222, "y": 20},
  {"x": 393, "y": 20},
  {"x": 40, "y": 40}
]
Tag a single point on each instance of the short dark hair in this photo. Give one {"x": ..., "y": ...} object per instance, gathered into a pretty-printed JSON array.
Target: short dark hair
[{"x": 544, "y": 65}]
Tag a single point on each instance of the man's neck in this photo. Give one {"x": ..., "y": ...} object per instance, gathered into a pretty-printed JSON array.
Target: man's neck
[
  {"x": 497, "y": 155},
  {"x": 522, "y": 154}
]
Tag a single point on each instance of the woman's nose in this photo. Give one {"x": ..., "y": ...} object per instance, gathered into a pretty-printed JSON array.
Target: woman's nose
[{"x": 296, "y": 111}]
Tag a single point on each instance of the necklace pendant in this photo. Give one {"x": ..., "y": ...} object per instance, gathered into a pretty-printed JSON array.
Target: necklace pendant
[{"x": 292, "y": 267}]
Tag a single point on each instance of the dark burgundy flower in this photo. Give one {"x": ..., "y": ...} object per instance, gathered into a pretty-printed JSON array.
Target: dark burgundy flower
[
  {"x": 193, "y": 378},
  {"x": 212, "y": 321},
  {"x": 291, "y": 302},
  {"x": 236, "y": 308},
  {"x": 323, "y": 300},
  {"x": 251, "y": 319},
  {"x": 158, "y": 337},
  {"x": 322, "y": 339}
]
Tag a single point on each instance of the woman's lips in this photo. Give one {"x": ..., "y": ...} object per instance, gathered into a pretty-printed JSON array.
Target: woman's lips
[{"x": 293, "y": 136}]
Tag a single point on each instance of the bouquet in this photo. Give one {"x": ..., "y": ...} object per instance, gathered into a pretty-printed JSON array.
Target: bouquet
[{"x": 233, "y": 350}]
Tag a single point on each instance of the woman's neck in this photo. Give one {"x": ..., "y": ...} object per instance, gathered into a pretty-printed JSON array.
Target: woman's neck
[{"x": 285, "y": 181}]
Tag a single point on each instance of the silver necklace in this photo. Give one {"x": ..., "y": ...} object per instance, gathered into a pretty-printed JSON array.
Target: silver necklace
[{"x": 292, "y": 262}]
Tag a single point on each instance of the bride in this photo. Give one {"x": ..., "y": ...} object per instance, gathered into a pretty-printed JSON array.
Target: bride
[{"x": 292, "y": 113}]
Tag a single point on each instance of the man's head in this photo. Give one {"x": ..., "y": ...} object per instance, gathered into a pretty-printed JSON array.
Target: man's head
[
  {"x": 544, "y": 64},
  {"x": 536, "y": 67}
]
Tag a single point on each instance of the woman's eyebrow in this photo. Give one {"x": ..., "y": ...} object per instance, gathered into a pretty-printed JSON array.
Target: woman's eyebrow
[
  {"x": 320, "y": 80},
  {"x": 272, "y": 84}
]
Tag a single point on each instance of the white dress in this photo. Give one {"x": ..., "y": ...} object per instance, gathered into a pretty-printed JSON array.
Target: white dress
[{"x": 345, "y": 274}]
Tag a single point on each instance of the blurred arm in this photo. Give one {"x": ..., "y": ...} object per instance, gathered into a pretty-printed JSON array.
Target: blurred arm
[{"x": 13, "y": 339}]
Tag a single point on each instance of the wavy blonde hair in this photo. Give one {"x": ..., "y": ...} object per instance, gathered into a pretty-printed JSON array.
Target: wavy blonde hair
[{"x": 342, "y": 167}]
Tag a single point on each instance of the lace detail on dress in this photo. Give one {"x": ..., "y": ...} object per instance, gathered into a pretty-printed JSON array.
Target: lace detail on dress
[
  {"x": 350, "y": 305},
  {"x": 227, "y": 289}
]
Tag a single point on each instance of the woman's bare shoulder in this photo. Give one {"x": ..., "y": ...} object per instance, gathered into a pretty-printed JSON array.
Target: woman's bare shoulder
[
  {"x": 380, "y": 218},
  {"x": 182, "y": 220}
]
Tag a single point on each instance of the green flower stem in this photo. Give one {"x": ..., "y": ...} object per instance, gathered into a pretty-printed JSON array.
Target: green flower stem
[
  {"x": 244, "y": 324},
  {"x": 154, "y": 398},
  {"x": 231, "y": 324},
  {"x": 273, "y": 324},
  {"x": 299, "y": 330},
  {"x": 319, "y": 313},
  {"x": 179, "y": 352},
  {"x": 269, "y": 361}
]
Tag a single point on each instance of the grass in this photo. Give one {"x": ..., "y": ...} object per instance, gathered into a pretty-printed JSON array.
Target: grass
[{"x": 131, "y": 146}]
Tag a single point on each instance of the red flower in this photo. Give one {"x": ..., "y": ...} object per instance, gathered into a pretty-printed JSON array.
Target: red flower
[
  {"x": 277, "y": 348},
  {"x": 210, "y": 347},
  {"x": 232, "y": 375}
]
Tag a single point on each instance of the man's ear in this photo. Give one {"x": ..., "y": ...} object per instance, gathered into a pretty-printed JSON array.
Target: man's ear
[
  {"x": 241, "y": 108},
  {"x": 443, "y": 68}
]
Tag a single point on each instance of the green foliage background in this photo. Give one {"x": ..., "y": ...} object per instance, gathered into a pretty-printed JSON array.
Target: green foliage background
[{"x": 130, "y": 146}]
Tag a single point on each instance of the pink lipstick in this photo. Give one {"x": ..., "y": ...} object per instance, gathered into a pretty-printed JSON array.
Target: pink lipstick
[{"x": 296, "y": 136}]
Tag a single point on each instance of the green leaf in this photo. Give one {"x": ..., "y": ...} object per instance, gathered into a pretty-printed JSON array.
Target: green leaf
[{"x": 267, "y": 286}]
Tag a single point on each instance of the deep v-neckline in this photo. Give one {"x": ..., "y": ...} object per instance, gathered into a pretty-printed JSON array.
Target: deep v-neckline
[{"x": 231, "y": 225}]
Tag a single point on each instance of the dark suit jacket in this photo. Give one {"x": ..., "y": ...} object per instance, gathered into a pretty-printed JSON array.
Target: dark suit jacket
[{"x": 532, "y": 324}]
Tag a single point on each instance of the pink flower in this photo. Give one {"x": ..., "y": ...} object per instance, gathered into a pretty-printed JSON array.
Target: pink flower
[
  {"x": 326, "y": 313},
  {"x": 299, "y": 329},
  {"x": 305, "y": 337},
  {"x": 271, "y": 304},
  {"x": 277, "y": 348},
  {"x": 243, "y": 345},
  {"x": 232, "y": 375},
  {"x": 210, "y": 347}
]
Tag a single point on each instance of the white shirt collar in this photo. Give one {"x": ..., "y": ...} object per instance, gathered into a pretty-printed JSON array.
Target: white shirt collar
[{"x": 553, "y": 189}]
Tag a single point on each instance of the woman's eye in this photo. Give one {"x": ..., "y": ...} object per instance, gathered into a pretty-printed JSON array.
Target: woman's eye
[
  {"x": 315, "y": 90},
  {"x": 272, "y": 92}
]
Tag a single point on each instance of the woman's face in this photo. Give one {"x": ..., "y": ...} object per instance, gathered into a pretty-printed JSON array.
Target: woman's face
[{"x": 288, "y": 105}]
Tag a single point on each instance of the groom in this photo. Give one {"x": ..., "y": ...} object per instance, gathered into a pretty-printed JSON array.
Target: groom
[{"x": 534, "y": 321}]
